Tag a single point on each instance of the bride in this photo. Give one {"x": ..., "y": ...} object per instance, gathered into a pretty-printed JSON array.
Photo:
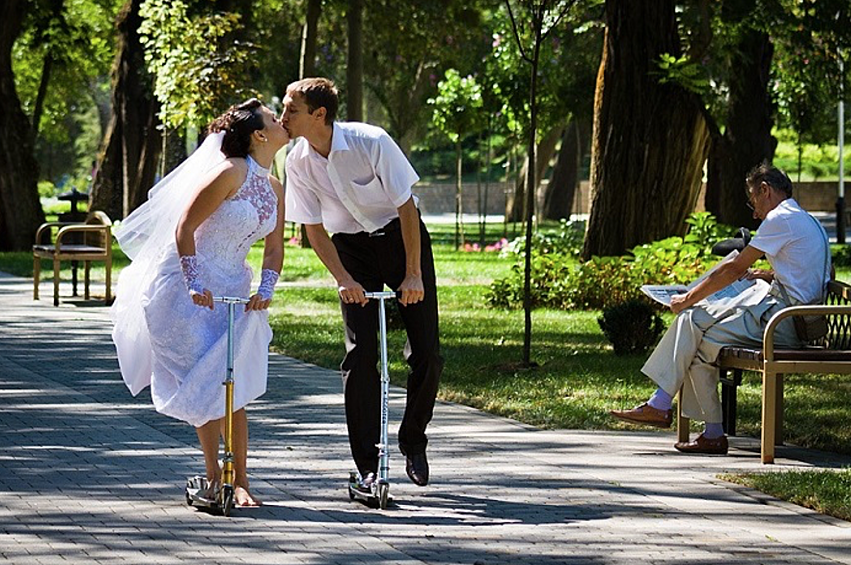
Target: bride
[{"x": 187, "y": 243}]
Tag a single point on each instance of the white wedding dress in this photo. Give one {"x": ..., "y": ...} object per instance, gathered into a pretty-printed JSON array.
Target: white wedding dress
[{"x": 164, "y": 340}]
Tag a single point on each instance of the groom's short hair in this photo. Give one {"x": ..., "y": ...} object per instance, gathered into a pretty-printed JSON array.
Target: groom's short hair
[{"x": 318, "y": 93}]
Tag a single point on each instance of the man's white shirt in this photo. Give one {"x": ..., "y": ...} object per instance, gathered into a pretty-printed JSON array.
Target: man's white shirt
[
  {"x": 794, "y": 244},
  {"x": 359, "y": 187}
]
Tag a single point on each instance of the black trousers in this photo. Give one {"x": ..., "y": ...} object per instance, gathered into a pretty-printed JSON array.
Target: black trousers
[{"x": 375, "y": 261}]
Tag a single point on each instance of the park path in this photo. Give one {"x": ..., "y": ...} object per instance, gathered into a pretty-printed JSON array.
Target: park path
[{"x": 89, "y": 474}]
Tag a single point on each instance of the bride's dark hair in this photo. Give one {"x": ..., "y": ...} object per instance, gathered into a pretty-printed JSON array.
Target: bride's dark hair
[{"x": 238, "y": 123}]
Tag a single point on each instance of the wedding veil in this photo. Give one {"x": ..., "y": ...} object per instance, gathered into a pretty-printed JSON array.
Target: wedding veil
[
  {"x": 151, "y": 226},
  {"x": 143, "y": 236}
]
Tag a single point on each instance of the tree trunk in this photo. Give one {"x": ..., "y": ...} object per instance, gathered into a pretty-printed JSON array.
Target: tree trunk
[
  {"x": 515, "y": 203},
  {"x": 650, "y": 139},
  {"x": 42, "y": 93},
  {"x": 561, "y": 190},
  {"x": 173, "y": 149},
  {"x": 354, "y": 69},
  {"x": 46, "y": 67},
  {"x": 131, "y": 146},
  {"x": 532, "y": 181},
  {"x": 484, "y": 206},
  {"x": 20, "y": 209},
  {"x": 307, "y": 68},
  {"x": 459, "y": 205},
  {"x": 403, "y": 108},
  {"x": 747, "y": 139}
]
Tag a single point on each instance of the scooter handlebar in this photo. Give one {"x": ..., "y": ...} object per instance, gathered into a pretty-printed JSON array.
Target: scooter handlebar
[
  {"x": 384, "y": 294},
  {"x": 230, "y": 300}
]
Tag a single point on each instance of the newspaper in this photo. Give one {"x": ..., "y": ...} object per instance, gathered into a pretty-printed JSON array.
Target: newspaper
[{"x": 742, "y": 292}]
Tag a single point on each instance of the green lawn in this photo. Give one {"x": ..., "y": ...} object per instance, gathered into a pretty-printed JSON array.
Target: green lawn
[{"x": 828, "y": 492}]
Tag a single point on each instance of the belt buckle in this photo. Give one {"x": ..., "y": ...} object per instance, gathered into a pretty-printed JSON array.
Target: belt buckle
[{"x": 377, "y": 233}]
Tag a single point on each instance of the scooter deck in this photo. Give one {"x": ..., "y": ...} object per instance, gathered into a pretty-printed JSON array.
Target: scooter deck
[
  {"x": 371, "y": 498},
  {"x": 196, "y": 487}
]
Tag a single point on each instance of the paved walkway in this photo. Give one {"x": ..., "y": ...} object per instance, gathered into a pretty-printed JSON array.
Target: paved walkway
[{"x": 89, "y": 474}]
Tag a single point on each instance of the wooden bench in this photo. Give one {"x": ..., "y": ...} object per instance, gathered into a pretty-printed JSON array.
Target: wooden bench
[
  {"x": 829, "y": 355},
  {"x": 87, "y": 242}
]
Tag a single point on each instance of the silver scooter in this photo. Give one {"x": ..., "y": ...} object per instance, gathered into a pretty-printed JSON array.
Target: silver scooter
[{"x": 379, "y": 493}]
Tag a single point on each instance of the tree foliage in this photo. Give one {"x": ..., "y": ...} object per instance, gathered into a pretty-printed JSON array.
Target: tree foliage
[
  {"x": 61, "y": 63},
  {"x": 79, "y": 39},
  {"x": 807, "y": 73},
  {"x": 199, "y": 65},
  {"x": 458, "y": 106},
  {"x": 409, "y": 49},
  {"x": 567, "y": 69}
]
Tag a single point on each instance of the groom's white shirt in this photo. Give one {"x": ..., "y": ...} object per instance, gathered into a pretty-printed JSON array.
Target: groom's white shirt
[{"x": 358, "y": 188}]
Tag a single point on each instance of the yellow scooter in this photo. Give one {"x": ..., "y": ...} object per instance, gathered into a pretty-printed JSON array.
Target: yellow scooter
[{"x": 196, "y": 487}]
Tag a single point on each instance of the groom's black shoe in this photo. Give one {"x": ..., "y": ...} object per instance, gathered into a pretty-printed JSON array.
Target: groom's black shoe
[{"x": 417, "y": 468}]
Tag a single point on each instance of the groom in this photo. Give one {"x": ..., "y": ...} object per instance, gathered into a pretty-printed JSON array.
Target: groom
[{"x": 352, "y": 180}]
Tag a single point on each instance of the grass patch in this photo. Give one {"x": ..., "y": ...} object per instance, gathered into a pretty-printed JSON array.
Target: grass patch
[
  {"x": 828, "y": 492},
  {"x": 577, "y": 381}
]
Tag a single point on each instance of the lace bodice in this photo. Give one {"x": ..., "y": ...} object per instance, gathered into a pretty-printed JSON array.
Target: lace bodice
[{"x": 249, "y": 215}]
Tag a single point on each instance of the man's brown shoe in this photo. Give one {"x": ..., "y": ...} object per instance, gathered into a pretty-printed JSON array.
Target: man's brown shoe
[
  {"x": 645, "y": 415},
  {"x": 717, "y": 446}
]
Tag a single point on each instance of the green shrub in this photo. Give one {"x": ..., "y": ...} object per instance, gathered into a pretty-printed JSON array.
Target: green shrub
[
  {"x": 558, "y": 282},
  {"x": 705, "y": 230},
  {"x": 841, "y": 255},
  {"x": 565, "y": 240},
  {"x": 631, "y": 327},
  {"x": 549, "y": 276}
]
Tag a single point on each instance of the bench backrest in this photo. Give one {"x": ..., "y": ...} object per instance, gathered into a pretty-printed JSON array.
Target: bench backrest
[{"x": 839, "y": 325}]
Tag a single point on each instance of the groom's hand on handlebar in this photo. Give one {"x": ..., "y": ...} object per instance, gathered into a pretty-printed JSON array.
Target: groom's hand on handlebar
[
  {"x": 411, "y": 290},
  {"x": 351, "y": 292}
]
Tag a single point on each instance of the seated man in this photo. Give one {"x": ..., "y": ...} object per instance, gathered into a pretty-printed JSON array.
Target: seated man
[{"x": 796, "y": 247}]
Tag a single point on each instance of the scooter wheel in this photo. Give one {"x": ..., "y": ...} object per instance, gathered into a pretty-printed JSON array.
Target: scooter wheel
[
  {"x": 383, "y": 495},
  {"x": 351, "y": 494},
  {"x": 227, "y": 500}
]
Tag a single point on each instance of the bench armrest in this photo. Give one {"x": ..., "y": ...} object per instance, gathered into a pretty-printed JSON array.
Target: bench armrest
[
  {"x": 49, "y": 225},
  {"x": 803, "y": 310},
  {"x": 83, "y": 228}
]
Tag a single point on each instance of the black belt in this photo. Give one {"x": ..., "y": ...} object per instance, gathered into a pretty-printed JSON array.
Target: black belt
[{"x": 394, "y": 225}]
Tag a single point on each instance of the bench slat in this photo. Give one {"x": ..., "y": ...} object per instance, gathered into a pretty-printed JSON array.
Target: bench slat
[
  {"x": 70, "y": 248},
  {"x": 814, "y": 354}
]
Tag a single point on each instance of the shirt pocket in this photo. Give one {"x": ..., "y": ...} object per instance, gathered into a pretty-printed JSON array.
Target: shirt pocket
[{"x": 370, "y": 193}]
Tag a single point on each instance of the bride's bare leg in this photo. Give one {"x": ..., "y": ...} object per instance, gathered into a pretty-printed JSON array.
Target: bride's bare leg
[
  {"x": 242, "y": 496},
  {"x": 208, "y": 435}
]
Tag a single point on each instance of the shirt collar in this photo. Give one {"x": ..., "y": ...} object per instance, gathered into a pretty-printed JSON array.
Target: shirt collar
[
  {"x": 303, "y": 149},
  {"x": 338, "y": 139}
]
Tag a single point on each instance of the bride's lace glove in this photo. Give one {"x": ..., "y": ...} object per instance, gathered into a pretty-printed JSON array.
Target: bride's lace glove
[
  {"x": 268, "y": 278},
  {"x": 189, "y": 266}
]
